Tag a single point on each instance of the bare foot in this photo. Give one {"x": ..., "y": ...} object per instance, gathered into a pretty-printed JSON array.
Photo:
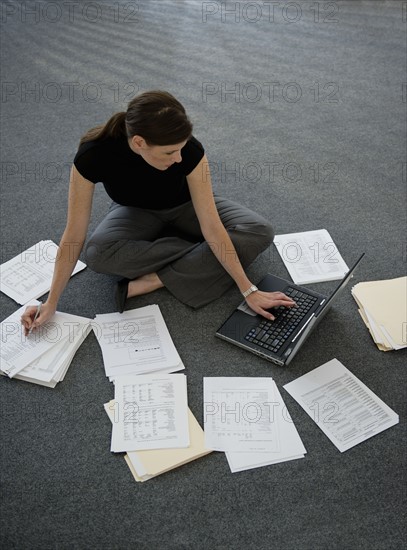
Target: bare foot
[{"x": 144, "y": 285}]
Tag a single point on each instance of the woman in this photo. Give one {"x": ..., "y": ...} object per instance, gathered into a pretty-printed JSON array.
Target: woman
[{"x": 164, "y": 227}]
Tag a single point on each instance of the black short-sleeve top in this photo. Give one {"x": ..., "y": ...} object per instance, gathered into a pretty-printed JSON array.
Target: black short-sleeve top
[{"x": 129, "y": 180}]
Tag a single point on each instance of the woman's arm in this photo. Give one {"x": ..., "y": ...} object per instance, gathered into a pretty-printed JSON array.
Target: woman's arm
[
  {"x": 70, "y": 246},
  {"x": 218, "y": 239}
]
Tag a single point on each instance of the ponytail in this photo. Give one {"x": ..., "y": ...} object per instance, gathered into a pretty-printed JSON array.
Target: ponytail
[{"x": 114, "y": 127}]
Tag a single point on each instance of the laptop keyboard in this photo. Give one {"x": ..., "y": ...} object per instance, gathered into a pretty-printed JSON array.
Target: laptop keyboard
[{"x": 272, "y": 335}]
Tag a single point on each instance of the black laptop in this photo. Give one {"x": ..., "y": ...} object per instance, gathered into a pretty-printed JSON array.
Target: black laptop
[{"x": 279, "y": 340}]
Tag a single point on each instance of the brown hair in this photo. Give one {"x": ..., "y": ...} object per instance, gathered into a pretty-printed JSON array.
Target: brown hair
[{"x": 155, "y": 115}]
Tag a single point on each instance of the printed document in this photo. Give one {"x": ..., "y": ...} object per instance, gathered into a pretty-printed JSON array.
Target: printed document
[
  {"x": 29, "y": 275},
  {"x": 342, "y": 406},
  {"x": 311, "y": 257},
  {"x": 238, "y": 414},
  {"x": 136, "y": 342},
  {"x": 151, "y": 412},
  {"x": 291, "y": 446}
]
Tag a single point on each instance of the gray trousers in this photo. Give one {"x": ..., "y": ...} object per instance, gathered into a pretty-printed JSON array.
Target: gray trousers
[{"x": 131, "y": 242}]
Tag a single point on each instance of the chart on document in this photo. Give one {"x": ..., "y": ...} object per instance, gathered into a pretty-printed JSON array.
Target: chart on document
[
  {"x": 348, "y": 408},
  {"x": 142, "y": 419},
  {"x": 238, "y": 410},
  {"x": 345, "y": 409},
  {"x": 151, "y": 413}
]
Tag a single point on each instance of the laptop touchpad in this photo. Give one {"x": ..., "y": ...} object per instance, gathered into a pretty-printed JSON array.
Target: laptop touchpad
[{"x": 246, "y": 309}]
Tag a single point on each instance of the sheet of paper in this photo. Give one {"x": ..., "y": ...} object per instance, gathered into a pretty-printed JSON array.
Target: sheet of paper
[
  {"x": 342, "y": 406},
  {"x": 291, "y": 446},
  {"x": 311, "y": 256},
  {"x": 151, "y": 413},
  {"x": 135, "y": 342},
  {"x": 29, "y": 275},
  {"x": 238, "y": 414},
  {"x": 18, "y": 350}
]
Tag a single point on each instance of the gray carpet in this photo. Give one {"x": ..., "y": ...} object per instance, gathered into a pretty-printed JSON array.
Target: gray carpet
[{"x": 301, "y": 108}]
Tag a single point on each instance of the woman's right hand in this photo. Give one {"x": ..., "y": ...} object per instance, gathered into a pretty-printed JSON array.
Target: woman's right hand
[{"x": 27, "y": 319}]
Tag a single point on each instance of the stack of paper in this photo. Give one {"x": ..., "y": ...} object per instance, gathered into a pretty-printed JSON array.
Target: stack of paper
[
  {"x": 341, "y": 405},
  {"x": 383, "y": 308},
  {"x": 136, "y": 342},
  {"x": 247, "y": 419},
  {"x": 153, "y": 425},
  {"x": 29, "y": 275},
  {"x": 42, "y": 357},
  {"x": 311, "y": 257},
  {"x": 151, "y": 420}
]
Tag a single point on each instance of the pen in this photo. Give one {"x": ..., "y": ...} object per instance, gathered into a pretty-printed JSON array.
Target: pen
[{"x": 35, "y": 317}]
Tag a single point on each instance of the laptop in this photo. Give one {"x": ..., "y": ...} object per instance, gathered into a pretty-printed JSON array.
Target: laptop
[{"x": 280, "y": 340}]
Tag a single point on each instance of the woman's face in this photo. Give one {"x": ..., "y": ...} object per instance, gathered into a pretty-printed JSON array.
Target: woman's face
[{"x": 158, "y": 156}]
